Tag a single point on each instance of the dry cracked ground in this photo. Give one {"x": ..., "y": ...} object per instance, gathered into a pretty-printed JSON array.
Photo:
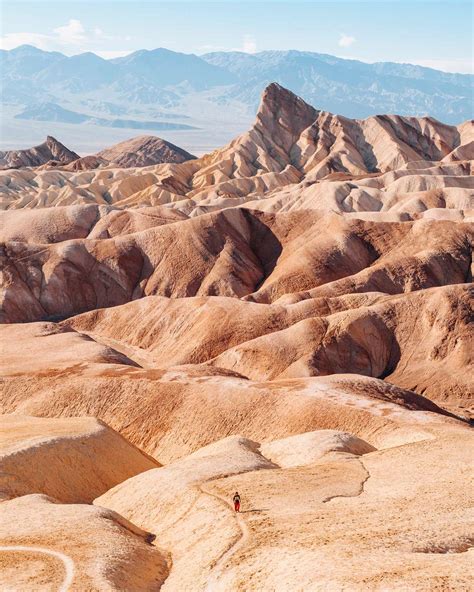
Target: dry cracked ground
[{"x": 289, "y": 317}]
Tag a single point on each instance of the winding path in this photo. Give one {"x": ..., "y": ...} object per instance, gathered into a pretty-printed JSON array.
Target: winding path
[
  {"x": 67, "y": 561},
  {"x": 238, "y": 542}
]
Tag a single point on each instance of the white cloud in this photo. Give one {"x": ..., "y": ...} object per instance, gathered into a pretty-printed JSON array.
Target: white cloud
[
  {"x": 345, "y": 40},
  {"x": 69, "y": 38},
  {"x": 71, "y": 34}
]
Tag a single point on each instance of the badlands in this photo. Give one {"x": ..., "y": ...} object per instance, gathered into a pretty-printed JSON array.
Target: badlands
[{"x": 289, "y": 317}]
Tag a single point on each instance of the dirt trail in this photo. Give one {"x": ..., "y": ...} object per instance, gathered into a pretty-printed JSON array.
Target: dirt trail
[
  {"x": 239, "y": 541},
  {"x": 67, "y": 561}
]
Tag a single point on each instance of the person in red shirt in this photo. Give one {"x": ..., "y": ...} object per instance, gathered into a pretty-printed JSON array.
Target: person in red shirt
[{"x": 236, "y": 500}]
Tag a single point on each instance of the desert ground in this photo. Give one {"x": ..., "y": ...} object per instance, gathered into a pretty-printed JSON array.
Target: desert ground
[{"x": 289, "y": 316}]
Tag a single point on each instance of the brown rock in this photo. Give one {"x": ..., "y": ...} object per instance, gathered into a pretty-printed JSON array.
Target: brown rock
[
  {"x": 50, "y": 150},
  {"x": 143, "y": 151}
]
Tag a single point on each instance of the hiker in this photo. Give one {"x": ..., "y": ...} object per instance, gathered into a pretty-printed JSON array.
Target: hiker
[{"x": 236, "y": 500}]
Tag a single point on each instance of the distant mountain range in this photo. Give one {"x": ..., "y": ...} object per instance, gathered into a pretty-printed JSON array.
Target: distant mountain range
[
  {"x": 88, "y": 90},
  {"x": 350, "y": 87}
]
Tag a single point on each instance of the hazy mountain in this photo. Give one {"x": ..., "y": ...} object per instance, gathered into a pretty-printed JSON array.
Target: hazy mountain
[
  {"x": 78, "y": 73},
  {"x": 350, "y": 87},
  {"x": 27, "y": 60},
  {"x": 217, "y": 92},
  {"x": 52, "y": 112},
  {"x": 163, "y": 68}
]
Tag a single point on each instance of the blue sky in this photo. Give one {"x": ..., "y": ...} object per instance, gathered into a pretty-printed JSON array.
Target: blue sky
[{"x": 426, "y": 32}]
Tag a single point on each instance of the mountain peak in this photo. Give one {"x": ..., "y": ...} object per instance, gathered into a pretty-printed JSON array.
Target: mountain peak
[
  {"x": 275, "y": 95},
  {"x": 50, "y": 149},
  {"x": 52, "y": 140},
  {"x": 280, "y": 106},
  {"x": 53, "y": 144},
  {"x": 26, "y": 48},
  {"x": 58, "y": 151}
]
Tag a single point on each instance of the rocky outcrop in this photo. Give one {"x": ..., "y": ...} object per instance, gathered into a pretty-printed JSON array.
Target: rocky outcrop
[
  {"x": 50, "y": 150},
  {"x": 86, "y": 163}
]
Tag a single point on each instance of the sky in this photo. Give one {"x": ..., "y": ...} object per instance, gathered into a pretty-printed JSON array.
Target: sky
[{"x": 426, "y": 32}]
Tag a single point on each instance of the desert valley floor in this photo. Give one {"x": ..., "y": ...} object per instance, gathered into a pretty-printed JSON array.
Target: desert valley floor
[{"x": 289, "y": 317}]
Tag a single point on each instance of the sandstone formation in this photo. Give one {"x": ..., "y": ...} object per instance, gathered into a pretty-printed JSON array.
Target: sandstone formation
[
  {"x": 289, "y": 316},
  {"x": 151, "y": 407},
  {"x": 49, "y": 150},
  {"x": 307, "y": 448},
  {"x": 60, "y": 224}
]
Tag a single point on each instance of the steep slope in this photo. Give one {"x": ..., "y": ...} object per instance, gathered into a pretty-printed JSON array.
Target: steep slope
[
  {"x": 50, "y": 149},
  {"x": 236, "y": 252},
  {"x": 213, "y": 257},
  {"x": 144, "y": 151},
  {"x": 72, "y": 460},
  {"x": 291, "y": 136}
]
